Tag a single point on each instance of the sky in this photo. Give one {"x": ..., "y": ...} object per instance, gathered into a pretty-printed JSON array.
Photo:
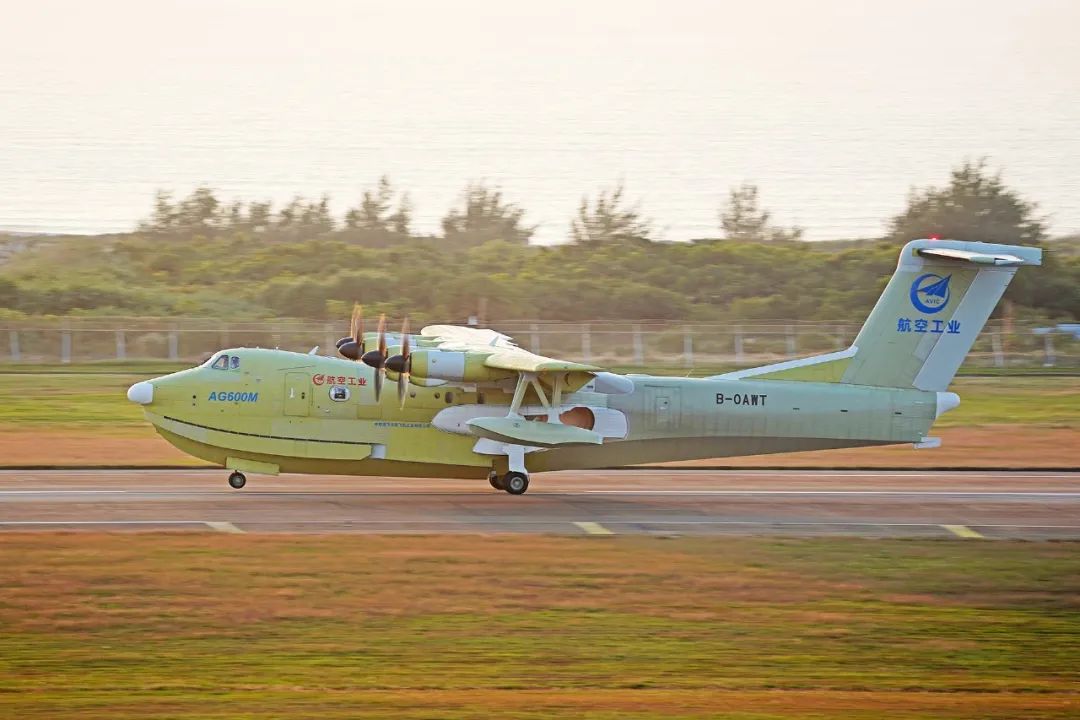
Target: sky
[{"x": 835, "y": 107}]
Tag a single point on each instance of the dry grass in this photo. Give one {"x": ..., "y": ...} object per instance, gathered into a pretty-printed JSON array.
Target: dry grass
[{"x": 205, "y": 626}]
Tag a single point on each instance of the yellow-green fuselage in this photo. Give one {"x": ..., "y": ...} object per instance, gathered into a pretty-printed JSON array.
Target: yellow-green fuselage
[{"x": 279, "y": 411}]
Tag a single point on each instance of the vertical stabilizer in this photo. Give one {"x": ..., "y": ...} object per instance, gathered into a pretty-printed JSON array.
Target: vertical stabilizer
[
  {"x": 933, "y": 308},
  {"x": 925, "y": 322}
]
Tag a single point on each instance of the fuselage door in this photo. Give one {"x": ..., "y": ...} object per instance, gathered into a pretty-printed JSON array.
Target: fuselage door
[
  {"x": 663, "y": 407},
  {"x": 297, "y": 393}
]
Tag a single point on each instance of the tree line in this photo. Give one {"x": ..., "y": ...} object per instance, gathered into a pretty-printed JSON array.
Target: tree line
[
  {"x": 384, "y": 215},
  {"x": 197, "y": 256}
]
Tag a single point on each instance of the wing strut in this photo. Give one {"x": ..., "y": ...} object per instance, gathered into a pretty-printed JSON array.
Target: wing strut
[{"x": 525, "y": 379}]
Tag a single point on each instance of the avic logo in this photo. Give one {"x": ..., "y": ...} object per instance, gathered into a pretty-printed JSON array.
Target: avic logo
[{"x": 930, "y": 293}]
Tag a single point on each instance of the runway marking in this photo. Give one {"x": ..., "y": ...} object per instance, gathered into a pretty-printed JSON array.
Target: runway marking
[
  {"x": 225, "y": 527},
  {"x": 594, "y": 528},
  {"x": 963, "y": 531}
]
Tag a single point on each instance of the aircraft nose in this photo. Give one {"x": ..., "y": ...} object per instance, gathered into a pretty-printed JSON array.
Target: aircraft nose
[{"x": 141, "y": 392}]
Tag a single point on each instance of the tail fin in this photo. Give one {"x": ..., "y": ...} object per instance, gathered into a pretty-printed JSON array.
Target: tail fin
[{"x": 925, "y": 322}]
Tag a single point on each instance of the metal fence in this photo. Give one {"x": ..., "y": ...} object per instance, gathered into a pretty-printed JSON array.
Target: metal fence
[{"x": 612, "y": 343}]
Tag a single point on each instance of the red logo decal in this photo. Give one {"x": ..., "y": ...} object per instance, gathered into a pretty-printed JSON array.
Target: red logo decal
[{"x": 317, "y": 379}]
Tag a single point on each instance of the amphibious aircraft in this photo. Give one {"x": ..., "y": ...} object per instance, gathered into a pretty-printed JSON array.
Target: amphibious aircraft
[{"x": 470, "y": 403}]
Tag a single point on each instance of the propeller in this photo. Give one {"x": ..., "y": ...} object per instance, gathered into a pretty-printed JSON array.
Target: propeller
[
  {"x": 402, "y": 364},
  {"x": 377, "y": 358},
  {"x": 352, "y": 347}
]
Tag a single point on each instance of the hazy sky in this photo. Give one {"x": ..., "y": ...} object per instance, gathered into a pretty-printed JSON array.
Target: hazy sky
[{"x": 552, "y": 99}]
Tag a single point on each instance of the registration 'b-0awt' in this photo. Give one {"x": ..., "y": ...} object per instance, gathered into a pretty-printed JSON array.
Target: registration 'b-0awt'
[{"x": 470, "y": 403}]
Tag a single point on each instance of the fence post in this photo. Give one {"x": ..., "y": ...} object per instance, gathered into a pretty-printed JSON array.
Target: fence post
[
  {"x": 534, "y": 338},
  {"x": 1048, "y": 344},
  {"x": 791, "y": 349},
  {"x": 738, "y": 345},
  {"x": 639, "y": 348},
  {"x": 688, "y": 347},
  {"x": 121, "y": 346},
  {"x": 174, "y": 345},
  {"x": 13, "y": 342},
  {"x": 999, "y": 354},
  {"x": 586, "y": 344},
  {"x": 65, "y": 346}
]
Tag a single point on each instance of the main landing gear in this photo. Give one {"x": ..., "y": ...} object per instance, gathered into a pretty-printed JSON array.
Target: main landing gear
[
  {"x": 515, "y": 483},
  {"x": 237, "y": 480}
]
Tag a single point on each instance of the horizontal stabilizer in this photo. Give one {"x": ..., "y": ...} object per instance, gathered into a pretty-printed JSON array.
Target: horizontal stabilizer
[{"x": 977, "y": 258}]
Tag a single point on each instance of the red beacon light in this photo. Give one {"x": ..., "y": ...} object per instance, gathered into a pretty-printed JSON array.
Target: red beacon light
[{"x": 934, "y": 237}]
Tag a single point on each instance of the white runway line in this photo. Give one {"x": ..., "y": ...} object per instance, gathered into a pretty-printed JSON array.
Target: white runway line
[
  {"x": 62, "y": 492},
  {"x": 912, "y": 493},
  {"x": 34, "y": 523}
]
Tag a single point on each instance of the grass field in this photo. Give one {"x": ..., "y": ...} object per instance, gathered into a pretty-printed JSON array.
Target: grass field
[
  {"x": 212, "y": 626},
  {"x": 84, "y": 418}
]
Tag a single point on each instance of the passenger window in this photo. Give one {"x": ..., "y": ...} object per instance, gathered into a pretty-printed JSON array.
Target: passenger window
[
  {"x": 222, "y": 363},
  {"x": 339, "y": 393}
]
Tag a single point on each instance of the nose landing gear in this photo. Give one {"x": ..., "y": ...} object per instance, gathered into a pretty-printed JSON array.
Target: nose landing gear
[{"x": 237, "y": 480}]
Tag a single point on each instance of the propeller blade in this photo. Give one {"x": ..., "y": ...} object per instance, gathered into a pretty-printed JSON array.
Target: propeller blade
[
  {"x": 356, "y": 324},
  {"x": 377, "y": 358},
  {"x": 406, "y": 364},
  {"x": 378, "y": 384},
  {"x": 352, "y": 347}
]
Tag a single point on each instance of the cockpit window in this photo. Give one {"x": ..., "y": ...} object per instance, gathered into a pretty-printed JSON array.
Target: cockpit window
[
  {"x": 234, "y": 362},
  {"x": 222, "y": 363}
]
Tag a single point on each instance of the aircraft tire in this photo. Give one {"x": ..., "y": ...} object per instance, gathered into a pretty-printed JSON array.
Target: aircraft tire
[
  {"x": 237, "y": 480},
  {"x": 495, "y": 481},
  {"x": 515, "y": 483}
]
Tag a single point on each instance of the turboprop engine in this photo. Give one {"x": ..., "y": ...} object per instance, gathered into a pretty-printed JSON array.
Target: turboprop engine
[{"x": 448, "y": 365}]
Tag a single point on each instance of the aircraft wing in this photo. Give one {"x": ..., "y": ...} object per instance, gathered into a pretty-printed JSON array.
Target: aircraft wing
[
  {"x": 524, "y": 361},
  {"x": 457, "y": 334},
  {"x": 500, "y": 349}
]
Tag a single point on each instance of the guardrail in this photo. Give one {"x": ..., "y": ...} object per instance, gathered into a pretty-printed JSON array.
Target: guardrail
[{"x": 628, "y": 343}]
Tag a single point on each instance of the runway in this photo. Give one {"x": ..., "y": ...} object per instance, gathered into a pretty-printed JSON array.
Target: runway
[{"x": 960, "y": 505}]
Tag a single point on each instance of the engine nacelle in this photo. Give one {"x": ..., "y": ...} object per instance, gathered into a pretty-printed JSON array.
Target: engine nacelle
[{"x": 455, "y": 365}]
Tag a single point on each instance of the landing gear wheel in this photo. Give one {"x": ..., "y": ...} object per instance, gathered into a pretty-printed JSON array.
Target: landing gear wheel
[
  {"x": 237, "y": 480},
  {"x": 495, "y": 481},
  {"x": 515, "y": 483}
]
